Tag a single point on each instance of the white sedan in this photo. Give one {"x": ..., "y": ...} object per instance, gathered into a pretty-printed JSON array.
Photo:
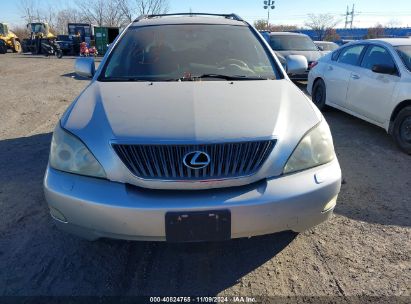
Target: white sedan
[{"x": 371, "y": 80}]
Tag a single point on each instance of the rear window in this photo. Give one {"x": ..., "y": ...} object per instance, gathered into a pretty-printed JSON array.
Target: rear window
[
  {"x": 186, "y": 51},
  {"x": 292, "y": 43}
]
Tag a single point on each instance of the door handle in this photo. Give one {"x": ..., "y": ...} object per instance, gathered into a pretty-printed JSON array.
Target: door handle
[
  {"x": 330, "y": 68},
  {"x": 355, "y": 76}
]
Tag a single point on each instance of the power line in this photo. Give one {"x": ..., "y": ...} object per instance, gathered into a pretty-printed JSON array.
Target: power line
[{"x": 349, "y": 16}]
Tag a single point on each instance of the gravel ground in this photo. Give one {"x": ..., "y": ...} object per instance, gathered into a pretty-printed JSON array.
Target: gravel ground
[{"x": 364, "y": 250}]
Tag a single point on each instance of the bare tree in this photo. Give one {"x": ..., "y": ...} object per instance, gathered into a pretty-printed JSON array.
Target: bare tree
[
  {"x": 321, "y": 23},
  {"x": 29, "y": 10},
  {"x": 393, "y": 23},
  {"x": 33, "y": 12},
  {"x": 377, "y": 31},
  {"x": 331, "y": 35},
  {"x": 134, "y": 8},
  {"x": 93, "y": 11},
  {"x": 261, "y": 25},
  {"x": 113, "y": 15},
  {"x": 21, "y": 31},
  {"x": 148, "y": 7},
  {"x": 66, "y": 16}
]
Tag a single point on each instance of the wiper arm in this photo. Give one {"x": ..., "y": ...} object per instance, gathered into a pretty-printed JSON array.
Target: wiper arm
[
  {"x": 229, "y": 77},
  {"x": 126, "y": 79}
]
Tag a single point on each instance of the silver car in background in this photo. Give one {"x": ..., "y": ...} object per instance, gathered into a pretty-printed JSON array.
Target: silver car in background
[
  {"x": 190, "y": 130},
  {"x": 285, "y": 44},
  {"x": 326, "y": 47}
]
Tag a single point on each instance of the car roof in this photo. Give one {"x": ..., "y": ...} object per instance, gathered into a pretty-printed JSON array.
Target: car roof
[
  {"x": 383, "y": 41},
  {"x": 394, "y": 41},
  {"x": 191, "y": 19},
  {"x": 286, "y": 34}
]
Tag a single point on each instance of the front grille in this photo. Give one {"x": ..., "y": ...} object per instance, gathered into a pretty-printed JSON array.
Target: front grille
[{"x": 227, "y": 160}]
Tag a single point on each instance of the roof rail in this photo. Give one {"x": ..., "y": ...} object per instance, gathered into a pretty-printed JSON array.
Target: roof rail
[{"x": 228, "y": 16}]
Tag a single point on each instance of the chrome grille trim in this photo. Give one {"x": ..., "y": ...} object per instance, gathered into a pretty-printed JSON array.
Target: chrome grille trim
[{"x": 165, "y": 161}]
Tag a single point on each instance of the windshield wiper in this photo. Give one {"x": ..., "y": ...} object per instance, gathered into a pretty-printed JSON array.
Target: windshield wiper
[
  {"x": 129, "y": 79},
  {"x": 220, "y": 76},
  {"x": 230, "y": 77}
]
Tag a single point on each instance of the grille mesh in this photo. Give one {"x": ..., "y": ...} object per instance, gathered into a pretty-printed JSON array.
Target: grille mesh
[{"x": 227, "y": 160}]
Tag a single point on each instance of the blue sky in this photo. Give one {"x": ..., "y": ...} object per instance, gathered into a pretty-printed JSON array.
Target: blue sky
[{"x": 287, "y": 11}]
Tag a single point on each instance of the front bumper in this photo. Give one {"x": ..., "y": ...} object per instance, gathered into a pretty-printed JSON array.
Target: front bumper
[
  {"x": 303, "y": 76},
  {"x": 96, "y": 208}
]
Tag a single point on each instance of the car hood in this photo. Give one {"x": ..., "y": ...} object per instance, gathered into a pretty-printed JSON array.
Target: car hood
[
  {"x": 200, "y": 111},
  {"x": 310, "y": 55}
]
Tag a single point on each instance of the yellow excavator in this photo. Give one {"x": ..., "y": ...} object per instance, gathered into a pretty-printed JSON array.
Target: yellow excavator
[
  {"x": 39, "y": 33},
  {"x": 8, "y": 40}
]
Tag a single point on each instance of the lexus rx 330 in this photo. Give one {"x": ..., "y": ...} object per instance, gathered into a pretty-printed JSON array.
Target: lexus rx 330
[{"x": 190, "y": 130}]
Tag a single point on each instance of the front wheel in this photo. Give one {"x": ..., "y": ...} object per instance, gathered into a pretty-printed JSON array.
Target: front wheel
[
  {"x": 402, "y": 129},
  {"x": 319, "y": 94},
  {"x": 59, "y": 54},
  {"x": 16, "y": 47}
]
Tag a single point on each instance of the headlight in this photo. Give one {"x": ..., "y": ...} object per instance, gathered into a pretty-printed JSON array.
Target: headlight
[
  {"x": 315, "y": 149},
  {"x": 69, "y": 154}
]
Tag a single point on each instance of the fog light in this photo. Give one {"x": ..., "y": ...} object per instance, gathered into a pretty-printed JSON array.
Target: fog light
[
  {"x": 330, "y": 205},
  {"x": 57, "y": 215}
]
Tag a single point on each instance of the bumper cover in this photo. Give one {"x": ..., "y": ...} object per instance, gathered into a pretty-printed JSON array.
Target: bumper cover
[{"x": 96, "y": 208}]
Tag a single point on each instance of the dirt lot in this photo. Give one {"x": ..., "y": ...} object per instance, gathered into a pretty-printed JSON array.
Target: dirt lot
[{"x": 364, "y": 250}]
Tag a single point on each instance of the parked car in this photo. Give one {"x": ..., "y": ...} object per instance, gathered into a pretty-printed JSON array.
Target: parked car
[
  {"x": 285, "y": 44},
  {"x": 371, "y": 80},
  {"x": 326, "y": 46},
  {"x": 190, "y": 130}
]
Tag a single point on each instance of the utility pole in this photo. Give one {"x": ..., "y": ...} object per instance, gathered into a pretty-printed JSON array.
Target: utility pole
[
  {"x": 269, "y": 4},
  {"x": 349, "y": 17}
]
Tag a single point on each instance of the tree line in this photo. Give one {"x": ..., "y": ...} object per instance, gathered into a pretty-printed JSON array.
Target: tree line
[
  {"x": 115, "y": 13},
  {"x": 324, "y": 27}
]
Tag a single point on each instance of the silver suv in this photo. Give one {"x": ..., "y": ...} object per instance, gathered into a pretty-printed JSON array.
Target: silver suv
[
  {"x": 285, "y": 44},
  {"x": 190, "y": 130}
]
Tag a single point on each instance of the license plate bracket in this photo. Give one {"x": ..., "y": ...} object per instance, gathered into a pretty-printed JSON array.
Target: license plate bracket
[{"x": 196, "y": 226}]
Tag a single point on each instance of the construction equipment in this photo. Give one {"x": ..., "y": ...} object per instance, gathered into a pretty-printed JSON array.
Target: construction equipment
[
  {"x": 39, "y": 34},
  {"x": 11, "y": 41}
]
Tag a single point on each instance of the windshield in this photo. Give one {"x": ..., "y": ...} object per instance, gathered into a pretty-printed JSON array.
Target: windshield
[
  {"x": 2, "y": 29},
  {"x": 405, "y": 53},
  {"x": 37, "y": 28},
  {"x": 189, "y": 52},
  {"x": 292, "y": 43}
]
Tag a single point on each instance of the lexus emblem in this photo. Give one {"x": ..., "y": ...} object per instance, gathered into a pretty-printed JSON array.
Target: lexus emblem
[{"x": 196, "y": 160}]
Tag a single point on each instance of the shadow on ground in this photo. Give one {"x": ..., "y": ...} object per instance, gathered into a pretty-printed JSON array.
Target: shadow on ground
[{"x": 376, "y": 173}]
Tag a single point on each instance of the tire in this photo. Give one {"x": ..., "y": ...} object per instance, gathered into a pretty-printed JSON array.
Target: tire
[
  {"x": 59, "y": 54},
  {"x": 16, "y": 47},
  {"x": 3, "y": 48},
  {"x": 402, "y": 130},
  {"x": 319, "y": 94}
]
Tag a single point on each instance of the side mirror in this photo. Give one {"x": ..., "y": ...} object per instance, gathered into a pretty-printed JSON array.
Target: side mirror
[
  {"x": 85, "y": 67},
  {"x": 296, "y": 64},
  {"x": 320, "y": 48},
  {"x": 384, "y": 69}
]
